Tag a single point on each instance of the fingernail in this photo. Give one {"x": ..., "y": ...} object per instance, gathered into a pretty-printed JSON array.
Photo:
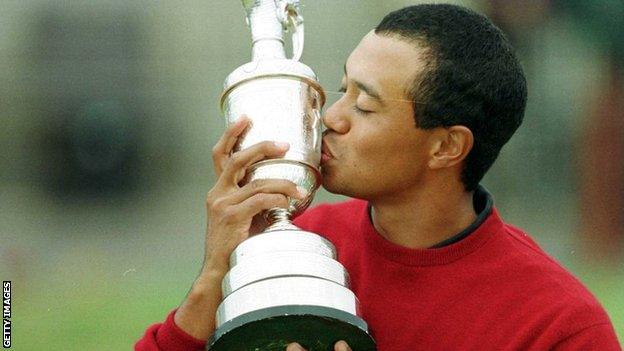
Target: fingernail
[
  {"x": 283, "y": 146},
  {"x": 302, "y": 191},
  {"x": 342, "y": 346},
  {"x": 295, "y": 347},
  {"x": 238, "y": 124}
]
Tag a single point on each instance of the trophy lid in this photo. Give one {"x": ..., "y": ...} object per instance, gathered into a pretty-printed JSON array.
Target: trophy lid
[{"x": 271, "y": 68}]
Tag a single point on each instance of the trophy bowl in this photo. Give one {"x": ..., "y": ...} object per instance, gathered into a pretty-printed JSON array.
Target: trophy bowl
[{"x": 283, "y": 100}]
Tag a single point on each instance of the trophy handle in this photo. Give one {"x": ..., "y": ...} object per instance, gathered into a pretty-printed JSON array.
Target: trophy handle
[
  {"x": 268, "y": 19},
  {"x": 289, "y": 14}
]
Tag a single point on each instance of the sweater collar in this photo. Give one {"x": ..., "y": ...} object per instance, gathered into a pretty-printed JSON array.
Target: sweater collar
[
  {"x": 487, "y": 224},
  {"x": 482, "y": 203}
]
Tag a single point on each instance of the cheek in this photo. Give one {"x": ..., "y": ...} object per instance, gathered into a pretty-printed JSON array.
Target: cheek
[
  {"x": 374, "y": 158},
  {"x": 389, "y": 145},
  {"x": 395, "y": 153}
]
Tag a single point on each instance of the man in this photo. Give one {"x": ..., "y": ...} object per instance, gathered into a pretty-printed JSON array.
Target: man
[{"x": 432, "y": 94}]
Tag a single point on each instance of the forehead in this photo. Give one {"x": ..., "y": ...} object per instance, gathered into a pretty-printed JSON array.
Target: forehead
[{"x": 388, "y": 63}]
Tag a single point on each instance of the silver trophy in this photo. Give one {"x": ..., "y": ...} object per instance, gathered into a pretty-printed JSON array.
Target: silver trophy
[{"x": 284, "y": 285}]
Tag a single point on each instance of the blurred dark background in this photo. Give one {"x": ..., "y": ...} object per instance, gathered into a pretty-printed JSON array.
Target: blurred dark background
[{"x": 109, "y": 112}]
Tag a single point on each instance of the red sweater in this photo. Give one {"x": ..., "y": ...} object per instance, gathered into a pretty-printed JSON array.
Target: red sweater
[{"x": 494, "y": 290}]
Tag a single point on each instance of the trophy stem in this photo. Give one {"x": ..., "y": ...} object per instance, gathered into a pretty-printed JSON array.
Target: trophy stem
[{"x": 279, "y": 219}]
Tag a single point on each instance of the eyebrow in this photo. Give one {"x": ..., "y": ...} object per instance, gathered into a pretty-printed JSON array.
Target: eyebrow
[{"x": 370, "y": 91}]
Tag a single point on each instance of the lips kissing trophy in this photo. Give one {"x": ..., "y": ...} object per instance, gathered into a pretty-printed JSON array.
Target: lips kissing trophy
[{"x": 284, "y": 285}]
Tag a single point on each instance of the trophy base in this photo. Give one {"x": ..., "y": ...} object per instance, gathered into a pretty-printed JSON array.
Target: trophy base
[{"x": 316, "y": 328}]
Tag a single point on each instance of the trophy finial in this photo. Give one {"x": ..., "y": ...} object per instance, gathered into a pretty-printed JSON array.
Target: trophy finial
[{"x": 268, "y": 19}]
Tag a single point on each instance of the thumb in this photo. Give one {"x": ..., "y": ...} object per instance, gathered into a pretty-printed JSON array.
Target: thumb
[
  {"x": 341, "y": 346},
  {"x": 294, "y": 347}
]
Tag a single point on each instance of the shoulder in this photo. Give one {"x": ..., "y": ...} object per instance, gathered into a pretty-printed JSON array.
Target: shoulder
[
  {"x": 326, "y": 219},
  {"x": 542, "y": 290},
  {"x": 528, "y": 259},
  {"x": 336, "y": 212}
]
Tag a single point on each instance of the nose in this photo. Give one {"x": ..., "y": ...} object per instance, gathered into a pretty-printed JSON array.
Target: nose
[{"x": 335, "y": 117}]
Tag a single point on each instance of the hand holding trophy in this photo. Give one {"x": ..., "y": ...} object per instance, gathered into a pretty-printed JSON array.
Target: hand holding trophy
[{"x": 284, "y": 284}]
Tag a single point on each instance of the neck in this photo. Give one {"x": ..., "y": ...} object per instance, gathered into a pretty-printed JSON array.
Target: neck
[{"x": 423, "y": 217}]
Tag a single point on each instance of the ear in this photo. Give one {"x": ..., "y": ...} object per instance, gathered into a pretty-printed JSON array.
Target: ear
[{"x": 450, "y": 146}]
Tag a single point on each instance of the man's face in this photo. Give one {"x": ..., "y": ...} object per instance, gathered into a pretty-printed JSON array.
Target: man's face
[{"x": 371, "y": 147}]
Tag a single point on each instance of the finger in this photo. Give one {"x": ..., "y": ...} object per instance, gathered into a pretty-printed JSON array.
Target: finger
[
  {"x": 294, "y": 347},
  {"x": 341, "y": 346},
  {"x": 268, "y": 186},
  {"x": 225, "y": 144},
  {"x": 239, "y": 127},
  {"x": 256, "y": 204},
  {"x": 237, "y": 164}
]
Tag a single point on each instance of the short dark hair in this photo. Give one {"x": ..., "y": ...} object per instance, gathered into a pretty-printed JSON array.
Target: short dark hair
[{"x": 471, "y": 78}]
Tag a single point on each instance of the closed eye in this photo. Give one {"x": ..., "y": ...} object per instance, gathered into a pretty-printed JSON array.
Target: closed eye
[
  {"x": 361, "y": 111},
  {"x": 357, "y": 110}
]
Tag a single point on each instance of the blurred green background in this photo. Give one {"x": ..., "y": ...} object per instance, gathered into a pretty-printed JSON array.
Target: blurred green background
[{"x": 109, "y": 112}]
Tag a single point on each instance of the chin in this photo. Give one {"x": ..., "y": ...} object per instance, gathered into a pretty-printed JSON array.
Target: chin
[
  {"x": 330, "y": 185},
  {"x": 327, "y": 185},
  {"x": 337, "y": 188},
  {"x": 345, "y": 185}
]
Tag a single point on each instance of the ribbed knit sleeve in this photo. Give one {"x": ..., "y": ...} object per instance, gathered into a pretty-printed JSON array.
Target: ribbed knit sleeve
[{"x": 168, "y": 336}]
